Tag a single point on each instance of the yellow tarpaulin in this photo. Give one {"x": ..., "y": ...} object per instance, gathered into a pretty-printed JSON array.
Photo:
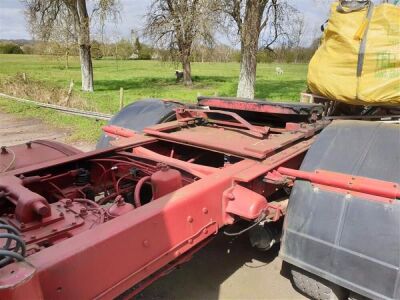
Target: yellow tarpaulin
[{"x": 358, "y": 61}]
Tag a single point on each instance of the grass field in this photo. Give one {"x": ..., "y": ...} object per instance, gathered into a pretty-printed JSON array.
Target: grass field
[{"x": 142, "y": 79}]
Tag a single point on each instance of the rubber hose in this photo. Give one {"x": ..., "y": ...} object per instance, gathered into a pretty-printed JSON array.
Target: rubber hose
[{"x": 138, "y": 188}]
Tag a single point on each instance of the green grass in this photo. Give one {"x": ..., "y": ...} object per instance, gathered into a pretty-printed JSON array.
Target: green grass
[
  {"x": 149, "y": 79},
  {"x": 81, "y": 129}
]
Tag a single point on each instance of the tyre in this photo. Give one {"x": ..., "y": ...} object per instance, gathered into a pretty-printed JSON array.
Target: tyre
[
  {"x": 318, "y": 217},
  {"x": 139, "y": 115},
  {"x": 316, "y": 287}
]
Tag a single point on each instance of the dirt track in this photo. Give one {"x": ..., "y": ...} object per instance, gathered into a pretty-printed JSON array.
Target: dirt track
[
  {"x": 15, "y": 130},
  {"x": 227, "y": 268}
]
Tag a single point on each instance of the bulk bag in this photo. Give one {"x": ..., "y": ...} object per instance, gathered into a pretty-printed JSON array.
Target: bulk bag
[{"x": 358, "y": 61}]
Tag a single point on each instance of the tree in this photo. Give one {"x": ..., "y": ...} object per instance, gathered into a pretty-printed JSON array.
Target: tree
[
  {"x": 252, "y": 18},
  {"x": 123, "y": 49},
  {"x": 296, "y": 35},
  {"x": 96, "y": 50},
  {"x": 137, "y": 46},
  {"x": 177, "y": 24},
  {"x": 10, "y": 48},
  {"x": 45, "y": 16}
]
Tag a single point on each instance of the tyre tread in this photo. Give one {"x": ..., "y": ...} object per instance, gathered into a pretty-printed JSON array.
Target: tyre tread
[{"x": 315, "y": 287}]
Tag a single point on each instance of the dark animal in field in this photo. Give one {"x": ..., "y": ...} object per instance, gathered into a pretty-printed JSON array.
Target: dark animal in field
[{"x": 179, "y": 75}]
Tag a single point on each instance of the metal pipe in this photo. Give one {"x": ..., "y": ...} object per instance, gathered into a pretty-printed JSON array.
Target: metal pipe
[{"x": 348, "y": 182}]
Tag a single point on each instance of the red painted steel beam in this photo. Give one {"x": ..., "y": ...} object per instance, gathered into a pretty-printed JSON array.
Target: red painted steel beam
[
  {"x": 105, "y": 261},
  {"x": 195, "y": 169},
  {"x": 118, "y": 131},
  {"x": 257, "y": 131},
  {"x": 247, "y": 106},
  {"x": 347, "y": 182}
]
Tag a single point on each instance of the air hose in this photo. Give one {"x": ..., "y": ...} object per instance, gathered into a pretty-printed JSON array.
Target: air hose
[{"x": 14, "y": 246}]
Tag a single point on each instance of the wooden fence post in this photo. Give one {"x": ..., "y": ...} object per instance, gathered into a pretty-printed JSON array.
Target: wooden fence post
[
  {"x": 71, "y": 86},
  {"x": 121, "y": 98}
]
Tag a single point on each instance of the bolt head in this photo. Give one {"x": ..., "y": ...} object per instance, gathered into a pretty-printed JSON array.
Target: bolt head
[
  {"x": 4, "y": 150},
  {"x": 231, "y": 196}
]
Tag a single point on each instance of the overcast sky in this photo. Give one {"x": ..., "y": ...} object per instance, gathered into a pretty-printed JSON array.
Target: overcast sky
[{"x": 13, "y": 25}]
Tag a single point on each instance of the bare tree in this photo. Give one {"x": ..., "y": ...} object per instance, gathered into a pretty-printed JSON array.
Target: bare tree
[
  {"x": 46, "y": 15},
  {"x": 177, "y": 24},
  {"x": 296, "y": 35},
  {"x": 252, "y": 18},
  {"x": 65, "y": 37}
]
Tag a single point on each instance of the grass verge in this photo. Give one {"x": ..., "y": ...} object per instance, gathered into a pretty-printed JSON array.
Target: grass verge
[{"x": 79, "y": 128}]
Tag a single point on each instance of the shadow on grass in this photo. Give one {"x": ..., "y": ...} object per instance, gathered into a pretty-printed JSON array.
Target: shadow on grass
[
  {"x": 282, "y": 89},
  {"x": 132, "y": 84},
  {"x": 159, "y": 82}
]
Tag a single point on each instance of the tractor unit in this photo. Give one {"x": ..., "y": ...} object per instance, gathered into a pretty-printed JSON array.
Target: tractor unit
[{"x": 320, "y": 179}]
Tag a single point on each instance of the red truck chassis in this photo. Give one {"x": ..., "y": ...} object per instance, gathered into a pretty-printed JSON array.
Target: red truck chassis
[{"x": 108, "y": 223}]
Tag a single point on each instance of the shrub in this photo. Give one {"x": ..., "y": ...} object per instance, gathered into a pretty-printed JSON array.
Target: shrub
[{"x": 10, "y": 48}]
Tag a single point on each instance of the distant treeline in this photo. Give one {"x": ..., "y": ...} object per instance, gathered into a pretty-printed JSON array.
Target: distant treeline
[
  {"x": 10, "y": 48},
  {"x": 124, "y": 50}
]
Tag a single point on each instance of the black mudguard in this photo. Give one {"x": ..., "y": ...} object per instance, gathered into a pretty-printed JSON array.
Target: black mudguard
[
  {"x": 351, "y": 241},
  {"x": 139, "y": 115}
]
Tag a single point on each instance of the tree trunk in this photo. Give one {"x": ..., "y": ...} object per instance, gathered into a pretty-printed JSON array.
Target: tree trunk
[
  {"x": 84, "y": 46},
  {"x": 247, "y": 76},
  {"x": 86, "y": 68},
  {"x": 249, "y": 36},
  {"x": 187, "y": 70}
]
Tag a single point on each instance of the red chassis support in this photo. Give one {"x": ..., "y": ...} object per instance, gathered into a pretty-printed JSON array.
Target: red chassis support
[
  {"x": 109, "y": 259},
  {"x": 122, "y": 252},
  {"x": 133, "y": 249}
]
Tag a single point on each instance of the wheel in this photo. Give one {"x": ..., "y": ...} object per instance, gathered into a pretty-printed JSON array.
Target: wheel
[
  {"x": 316, "y": 287},
  {"x": 139, "y": 115},
  {"x": 321, "y": 220}
]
